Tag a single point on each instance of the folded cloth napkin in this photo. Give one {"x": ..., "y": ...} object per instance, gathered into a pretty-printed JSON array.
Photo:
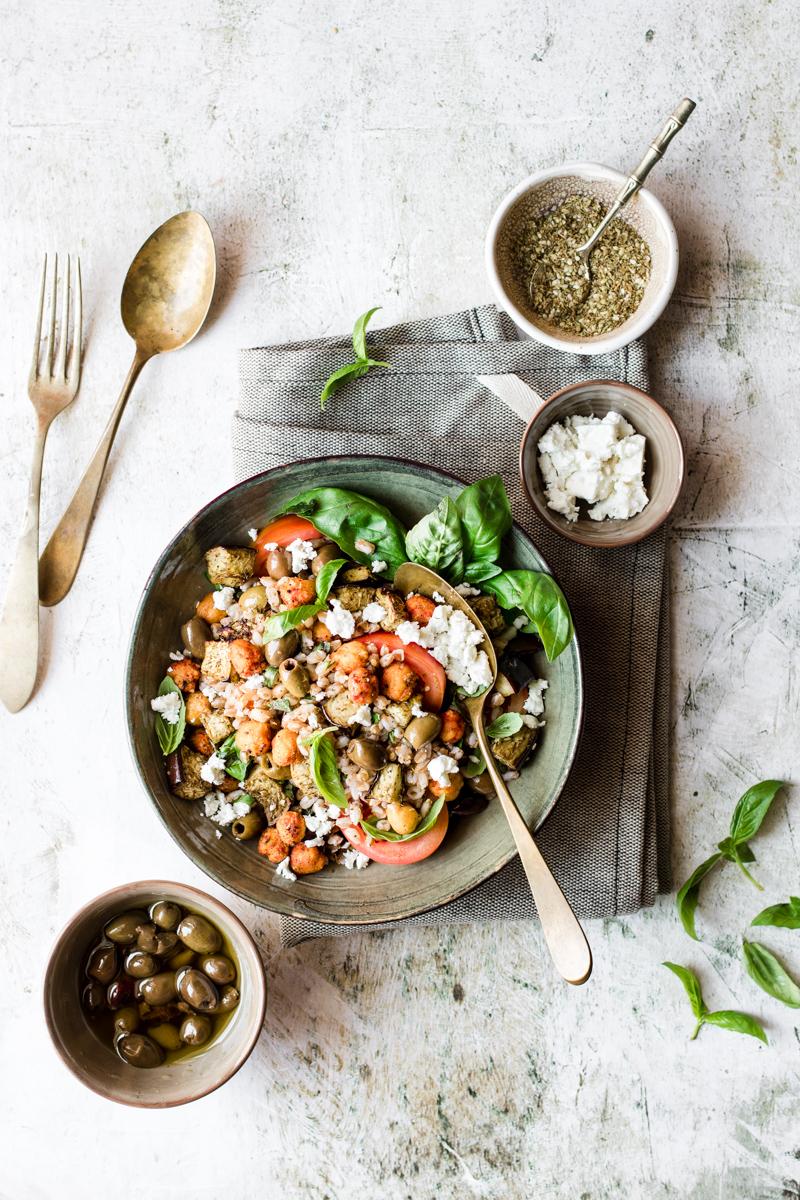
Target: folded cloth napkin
[{"x": 607, "y": 839}]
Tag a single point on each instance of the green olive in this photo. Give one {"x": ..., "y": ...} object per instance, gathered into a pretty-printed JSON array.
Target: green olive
[
  {"x": 277, "y": 772},
  {"x": 247, "y": 826},
  {"x": 140, "y": 965},
  {"x": 138, "y": 1050},
  {"x": 103, "y": 963},
  {"x": 254, "y": 598},
  {"x": 278, "y": 564},
  {"x": 126, "y": 1019},
  {"x": 194, "y": 635},
  {"x": 182, "y": 959},
  {"x": 161, "y": 942},
  {"x": 422, "y": 730},
  {"x": 165, "y": 914},
  {"x": 199, "y": 934},
  {"x": 325, "y": 554},
  {"x": 158, "y": 989},
  {"x": 196, "y": 1030},
  {"x": 218, "y": 968},
  {"x": 281, "y": 648},
  {"x": 369, "y": 755},
  {"x": 196, "y": 989},
  {"x": 294, "y": 677},
  {"x": 124, "y": 929},
  {"x": 482, "y": 783},
  {"x": 166, "y": 1035},
  {"x": 228, "y": 999}
]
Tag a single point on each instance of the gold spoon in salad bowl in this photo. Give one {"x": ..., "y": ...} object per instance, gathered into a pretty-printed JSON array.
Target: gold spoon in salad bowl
[{"x": 565, "y": 938}]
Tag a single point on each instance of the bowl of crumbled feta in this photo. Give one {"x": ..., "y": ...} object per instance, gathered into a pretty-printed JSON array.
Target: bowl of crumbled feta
[
  {"x": 296, "y": 719},
  {"x": 602, "y": 463}
]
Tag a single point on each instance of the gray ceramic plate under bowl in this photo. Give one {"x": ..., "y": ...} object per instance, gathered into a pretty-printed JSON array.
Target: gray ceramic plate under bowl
[{"x": 475, "y": 847}]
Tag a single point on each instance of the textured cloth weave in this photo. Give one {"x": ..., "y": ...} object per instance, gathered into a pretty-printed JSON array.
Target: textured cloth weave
[{"x": 608, "y": 838}]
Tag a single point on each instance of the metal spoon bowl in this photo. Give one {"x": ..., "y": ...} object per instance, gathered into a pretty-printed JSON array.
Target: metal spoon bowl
[
  {"x": 165, "y": 300},
  {"x": 565, "y": 938}
]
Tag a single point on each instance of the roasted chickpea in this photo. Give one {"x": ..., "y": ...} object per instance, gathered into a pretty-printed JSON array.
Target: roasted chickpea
[
  {"x": 320, "y": 631},
  {"x": 197, "y": 705},
  {"x": 201, "y": 742},
  {"x": 403, "y": 818},
  {"x": 292, "y": 827},
  {"x": 254, "y": 598},
  {"x": 285, "y": 749},
  {"x": 208, "y": 610},
  {"x": 246, "y": 659},
  {"x": 349, "y": 656},
  {"x": 453, "y": 726},
  {"x": 449, "y": 790},
  {"x": 278, "y": 564},
  {"x": 272, "y": 846},
  {"x": 362, "y": 685},
  {"x": 420, "y": 608},
  {"x": 254, "y": 738},
  {"x": 186, "y": 674},
  {"x": 399, "y": 682},
  {"x": 306, "y": 860},
  {"x": 294, "y": 591}
]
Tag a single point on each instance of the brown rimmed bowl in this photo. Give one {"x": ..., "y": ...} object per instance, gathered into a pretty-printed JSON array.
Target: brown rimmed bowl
[
  {"x": 664, "y": 460},
  {"x": 475, "y": 847},
  {"x": 93, "y": 1062}
]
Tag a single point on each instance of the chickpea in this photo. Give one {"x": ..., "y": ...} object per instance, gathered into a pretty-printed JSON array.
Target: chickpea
[
  {"x": 306, "y": 860},
  {"x": 403, "y": 818},
  {"x": 362, "y": 685},
  {"x": 271, "y": 846},
  {"x": 253, "y": 738},
  {"x": 399, "y": 682},
  {"x": 186, "y": 674},
  {"x": 208, "y": 611},
  {"x": 254, "y": 598},
  {"x": 420, "y": 609},
  {"x": 450, "y": 790},
  {"x": 246, "y": 659},
  {"x": 294, "y": 591},
  {"x": 201, "y": 742},
  {"x": 292, "y": 827},
  {"x": 197, "y": 706},
  {"x": 285, "y": 749},
  {"x": 349, "y": 656},
  {"x": 453, "y": 726},
  {"x": 320, "y": 631}
]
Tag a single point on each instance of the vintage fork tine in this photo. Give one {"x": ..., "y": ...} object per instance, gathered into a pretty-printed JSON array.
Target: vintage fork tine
[
  {"x": 37, "y": 341},
  {"x": 51, "y": 337},
  {"x": 77, "y": 324},
  {"x": 61, "y": 363}
]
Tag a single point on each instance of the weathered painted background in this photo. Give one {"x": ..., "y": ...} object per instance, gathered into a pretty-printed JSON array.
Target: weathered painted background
[{"x": 349, "y": 154}]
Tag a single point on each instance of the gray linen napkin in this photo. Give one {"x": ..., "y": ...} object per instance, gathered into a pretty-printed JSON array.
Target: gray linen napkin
[{"x": 608, "y": 837}]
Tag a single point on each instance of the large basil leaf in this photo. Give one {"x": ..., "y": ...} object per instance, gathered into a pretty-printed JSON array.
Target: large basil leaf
[
  {"x": 752, "y": 808},
  {"x": 324, "y": 771},
  {"x": 506, "y": 725},
  {"x": 280, "y": 623},
  {"x": 170, "y": 736},
  {"x": 435, "y": 541},
  {"x": 688, "y": 896},
  {"x": 235, "y": 762},
  {"x": 540, "y": 598},
  {"x": 347, "y": 517},
  {"x": 389, "y": 835},
  {"x": 485, "y": 517},
  {"x": 785, "y": 916},
  {"x": 770, "y": 975}
]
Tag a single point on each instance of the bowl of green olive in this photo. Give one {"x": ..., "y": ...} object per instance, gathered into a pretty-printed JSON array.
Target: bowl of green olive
[{"x": 154, "y": 994}]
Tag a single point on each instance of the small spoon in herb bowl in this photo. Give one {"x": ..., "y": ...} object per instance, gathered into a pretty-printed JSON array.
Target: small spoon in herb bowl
[
  {"x": 559, "y": 285},
  {"x": 562, "y": 931}
]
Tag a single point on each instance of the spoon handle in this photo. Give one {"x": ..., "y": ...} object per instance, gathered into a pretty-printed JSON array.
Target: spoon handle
[
  {"x": 62, "y": 555},
  {"x": 565, "y": 938}
]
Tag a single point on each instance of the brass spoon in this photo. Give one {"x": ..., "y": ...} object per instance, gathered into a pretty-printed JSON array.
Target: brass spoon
[
  {"x": 565, "y": 939},
  {"x": 165, "y": 300}
]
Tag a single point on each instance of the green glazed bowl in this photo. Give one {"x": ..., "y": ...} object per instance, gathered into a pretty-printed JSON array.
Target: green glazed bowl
[{"x": 475, "y": 847}]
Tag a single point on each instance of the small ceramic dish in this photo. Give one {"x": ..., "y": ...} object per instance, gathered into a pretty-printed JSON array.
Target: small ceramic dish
[
  {"x": 664, "y": 461},
  {"x": 539, "y": 193},
  {"x": 94, "y": 1063}
]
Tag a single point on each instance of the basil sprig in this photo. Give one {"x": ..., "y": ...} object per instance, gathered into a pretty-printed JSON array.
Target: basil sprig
[
  {"x": 170, "y": 736},
  {"x": 485, "y": 520},
  {"x": 540, "y": 598},
  {"x": 353, "y": 370},
  {"x": 235, "y": 762},
  {"x": 290, "y": 618},
  {"x": 506, "y": 725},
  {"x": 769, "y": 973},
  {"x": 389, "y": 835},
  {"x": 324, "y": 771},
  {"x": 784, "y": 916},
  {"x": 348, "y": 517},
  {"x": 746, "y": 821},
  {"x": 736, "y": 1022}
]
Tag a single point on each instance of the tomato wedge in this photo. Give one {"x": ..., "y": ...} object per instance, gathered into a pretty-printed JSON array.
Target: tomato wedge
[
  {"x": 282, "y": 532},
  {"x": 399, "y": 854},
  {"x": 424, "y": 664}
]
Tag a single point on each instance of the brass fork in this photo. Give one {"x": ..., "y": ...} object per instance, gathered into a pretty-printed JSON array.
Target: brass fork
[{"x": 52, "y": 385}]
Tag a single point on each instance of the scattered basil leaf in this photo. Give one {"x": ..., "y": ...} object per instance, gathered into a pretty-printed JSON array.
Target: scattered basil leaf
[
  {"x": 505, "y": 725},
  {"x": 270, "y": 675},
  {"x": 752, "y": 808},
  {"x": 770, "y": 975},
  {"x": 470, "y": 769},
  {"x": 360, "y": 332},
  {"x": 347, "y": 517},
  {"x": 280, "y": 623},
  {"x": 476, "y": 572},
  {"x": 688, "y": 896},
  {"x": 282, "y": 704},
  {"x": 245, "y": 799},
  {"x": 540, "y": 598},
  {"x": 435, "y": 541},
  {"x": 235, "y": 762},
  {"x": 389, "y": 835},
  {"x": 485, "y": 518},
  {"x": 354, "y": 370},
  {"x": 735, "y": 1022},
  {"x": 785, "y": 916},
  {"x": 327, "y": 576},
  {"x": 170, "y": 736},
  {"x": 324, "y": 771}
]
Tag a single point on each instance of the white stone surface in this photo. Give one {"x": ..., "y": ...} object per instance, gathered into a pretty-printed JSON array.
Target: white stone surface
[{"x": 349, "y": 154}]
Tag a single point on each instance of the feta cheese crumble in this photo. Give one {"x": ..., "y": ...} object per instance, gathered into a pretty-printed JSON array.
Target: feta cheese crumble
[
  {"x": 213, "y": 771},
  {"x": 301, "y": 554},
  {"x": 224, "y": 598},
  {"x": 285, "y": 870},
  {"x": 339, "y": 621},
  {"x": 453, "y": 641},
  {"x": 378, "y": 565},
  {"x": 534, "y": 701},
  {"x": 441, "y": 767},
  {"x": 169, "y": 706},
  {"x": 252, "y": 534},
  {"x": 374, "y": 612},
  {"x": 599, "y": 460}
]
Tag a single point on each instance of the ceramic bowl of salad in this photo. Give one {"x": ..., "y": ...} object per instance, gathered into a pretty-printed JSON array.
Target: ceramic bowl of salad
[{"x": 299, "y": 723}]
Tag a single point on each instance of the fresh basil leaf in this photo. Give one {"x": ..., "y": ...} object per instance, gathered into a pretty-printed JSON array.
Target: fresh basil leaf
[
  {"x": 170, "y": 736},
  {"x": 485, "y": 516},
  {"x": 353, "y": 370},
  {"x": 326, "y": 577},
  {"x": 505, "y": 725},
  {"x": 735, "y": 853},
  {"x": 360, "y": 332},
  {"x": 752, "y": 808},
  {"x": 235, "y": 762},
  {"x": 470, "y": 769},
  {"x": 347, "y": 517},
  {"x": 736, "y": 1022},
  {"x": 323, "y": 767},
  {"x": 389, "y": 835},
  {"x": 282, "y": 704},
  {"x": 691, "y": 985},
  {"x": 435, "y": 541},
  {"x": 770, "y": 975},
  {"x": 688, "y": 896},
  {"x": 280, "y": 623},
  {"x": 270, "y": 675},
  {"x": 784, "y": 916},
  {"x": 541, "y": 600},
  {"x": 476, "y": 572}
]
